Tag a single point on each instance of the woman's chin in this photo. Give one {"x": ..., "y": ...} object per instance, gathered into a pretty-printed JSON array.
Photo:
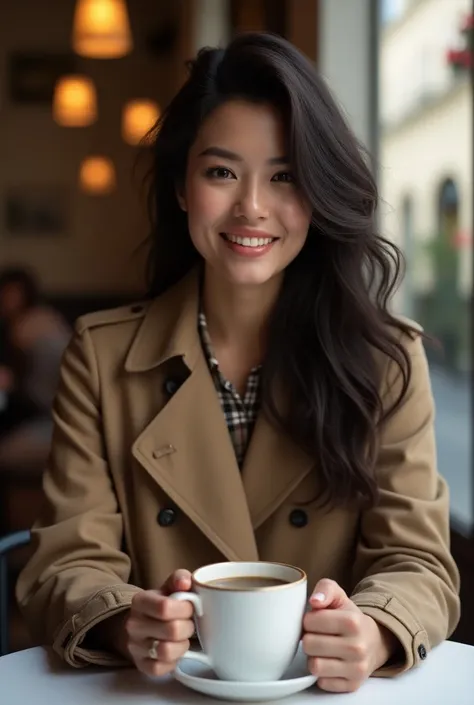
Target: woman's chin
[
  {"x": 251, "y": 274},
  {"x": 250, "y": 280}
]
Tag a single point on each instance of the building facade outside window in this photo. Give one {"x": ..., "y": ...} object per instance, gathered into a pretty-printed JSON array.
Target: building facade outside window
[{"x": 425, "y": 175}]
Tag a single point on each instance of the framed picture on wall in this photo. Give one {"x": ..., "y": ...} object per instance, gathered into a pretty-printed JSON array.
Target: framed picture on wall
[
  {"x": 36, "y": 211},
  {"x": 32, "y": 76}
]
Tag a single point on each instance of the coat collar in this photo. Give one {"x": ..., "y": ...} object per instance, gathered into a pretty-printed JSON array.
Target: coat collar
[{"x": 175, "y": 314}]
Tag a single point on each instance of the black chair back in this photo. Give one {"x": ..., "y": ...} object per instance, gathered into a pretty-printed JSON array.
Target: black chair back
[{"x": 8, "y": 543}]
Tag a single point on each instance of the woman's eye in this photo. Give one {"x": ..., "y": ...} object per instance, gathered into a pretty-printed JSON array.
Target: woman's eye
[
  {"x": 285, "y": 177},
  {"x": 219, "y": 172}
]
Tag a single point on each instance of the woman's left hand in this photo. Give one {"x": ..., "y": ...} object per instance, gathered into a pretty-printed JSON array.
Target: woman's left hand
[{"x": 344, "y": 646}]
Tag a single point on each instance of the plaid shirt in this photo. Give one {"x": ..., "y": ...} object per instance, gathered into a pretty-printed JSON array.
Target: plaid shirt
[{"x": 240, "y": 413}]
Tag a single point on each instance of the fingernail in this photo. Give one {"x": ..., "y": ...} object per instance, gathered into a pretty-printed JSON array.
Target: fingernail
[{"x": 318, "y": 597}]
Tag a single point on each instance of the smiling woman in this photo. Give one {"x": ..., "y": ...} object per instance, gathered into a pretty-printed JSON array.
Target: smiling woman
[
  {"x": 254, "y": 146},
  {"x": 262, "y": 405}
]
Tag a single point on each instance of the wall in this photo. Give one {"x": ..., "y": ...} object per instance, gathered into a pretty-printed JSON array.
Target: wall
[
  {"x": 302, "y": 20},
  {"x": 95, "y": 254},
  {"x": 346, "y": 61},
  {"x": 212, "y": 23}
]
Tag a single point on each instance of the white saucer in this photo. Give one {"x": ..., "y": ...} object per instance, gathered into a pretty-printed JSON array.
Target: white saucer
[{"x": 200, "y": 677}]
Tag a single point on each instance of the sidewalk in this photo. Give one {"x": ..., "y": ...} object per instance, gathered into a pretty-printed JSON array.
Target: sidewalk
[{"x": 454, "y": 442}]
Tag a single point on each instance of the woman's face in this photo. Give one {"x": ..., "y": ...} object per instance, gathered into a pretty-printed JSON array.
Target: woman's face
[{"x": 246, "y": 216}]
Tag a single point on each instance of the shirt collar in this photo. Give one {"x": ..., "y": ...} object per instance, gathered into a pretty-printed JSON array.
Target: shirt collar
[
  {"x": 207, "y": 343},
  {"x": 206, "y": 340}
]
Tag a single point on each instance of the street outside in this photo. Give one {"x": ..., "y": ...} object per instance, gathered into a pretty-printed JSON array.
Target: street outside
[{"x": 453, "y": 434}]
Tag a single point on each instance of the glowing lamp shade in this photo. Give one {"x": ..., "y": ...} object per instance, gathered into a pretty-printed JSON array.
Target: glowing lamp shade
[
  {"x": 101, "y": 29},
  {"x": 139, "y": 116},
  {"x": 75, "y": 101},
  {"x": 97, "y": 176}
]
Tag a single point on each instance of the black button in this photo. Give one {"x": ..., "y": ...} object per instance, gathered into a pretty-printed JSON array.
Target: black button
[
  {"x": 171, "y": 386},
  {"x": 298, "y": 518},
  {"x": 137, "y": 308},
  {"x": 167, "y": 517},
  {"x": 422, "y": 653}
]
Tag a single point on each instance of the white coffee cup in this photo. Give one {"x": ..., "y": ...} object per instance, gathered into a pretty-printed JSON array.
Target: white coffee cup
[{"x": 247, "y": 633}]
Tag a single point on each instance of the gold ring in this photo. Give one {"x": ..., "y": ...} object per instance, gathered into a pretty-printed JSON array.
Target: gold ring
[{"x": 152, "y": 651}]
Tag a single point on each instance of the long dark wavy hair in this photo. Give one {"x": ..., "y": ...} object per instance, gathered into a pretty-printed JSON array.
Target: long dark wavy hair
[{"x": 332, "y": 312}]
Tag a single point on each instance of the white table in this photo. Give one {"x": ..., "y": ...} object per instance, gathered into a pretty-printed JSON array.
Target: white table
[{"x": 36, "y": 677}]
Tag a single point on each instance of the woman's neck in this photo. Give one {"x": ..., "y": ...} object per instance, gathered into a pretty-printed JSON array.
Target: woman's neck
[{"x": 237, "y": 316}]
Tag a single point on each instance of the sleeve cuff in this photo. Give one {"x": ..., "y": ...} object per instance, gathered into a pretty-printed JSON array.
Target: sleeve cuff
[
  {"x": 394, "y": 616},
  {"x": 102, "y": 605}
]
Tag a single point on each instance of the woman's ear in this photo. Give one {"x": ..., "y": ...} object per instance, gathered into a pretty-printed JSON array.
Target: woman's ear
[{"x": 181, "y": 197}]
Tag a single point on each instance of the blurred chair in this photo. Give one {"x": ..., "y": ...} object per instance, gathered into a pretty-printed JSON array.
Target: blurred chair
[
  {"x": 21, "y": 494},
  {"x": 8, "y": 543}
]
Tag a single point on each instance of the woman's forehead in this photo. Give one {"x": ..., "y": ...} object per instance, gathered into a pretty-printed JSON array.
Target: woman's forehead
[{"x": 249, "y": 130}]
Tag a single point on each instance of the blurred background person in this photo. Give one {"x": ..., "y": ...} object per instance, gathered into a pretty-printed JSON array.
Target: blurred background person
[{"x": 33, "y": 338}]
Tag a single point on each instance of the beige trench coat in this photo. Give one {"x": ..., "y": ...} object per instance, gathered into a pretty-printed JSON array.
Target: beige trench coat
[{"x": 142, "y": 480}]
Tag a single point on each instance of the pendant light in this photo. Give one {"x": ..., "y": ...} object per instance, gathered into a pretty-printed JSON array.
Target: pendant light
[
  {"x": 101, "y": 29},
  {"x": 74, "y": 101},
  {"x": 138, "y": 118},
  {"x": 97, "y": 175}
]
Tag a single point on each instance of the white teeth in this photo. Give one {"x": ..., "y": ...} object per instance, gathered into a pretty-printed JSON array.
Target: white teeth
[{"x": 249, "y": 241}]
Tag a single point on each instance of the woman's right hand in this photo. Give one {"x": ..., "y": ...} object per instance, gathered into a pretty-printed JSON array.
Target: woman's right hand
[{"x": 153, "y": 615}]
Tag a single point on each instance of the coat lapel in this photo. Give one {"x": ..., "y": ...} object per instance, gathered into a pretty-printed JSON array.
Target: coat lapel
[{"x": 187, "y": 448}]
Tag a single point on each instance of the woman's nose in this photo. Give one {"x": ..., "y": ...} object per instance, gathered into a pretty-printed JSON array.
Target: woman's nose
[{"x": 252, "y": 203}]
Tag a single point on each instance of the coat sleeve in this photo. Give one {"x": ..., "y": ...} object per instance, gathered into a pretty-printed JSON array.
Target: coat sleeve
[
  {"x": 405, "y": 576},
  {"x": 78, "y": 574}
]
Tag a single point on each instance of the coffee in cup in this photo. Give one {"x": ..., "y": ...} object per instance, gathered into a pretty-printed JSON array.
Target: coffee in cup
[
  {"x": 246, "y": 582},
  {"x": 248, "y": 617}
]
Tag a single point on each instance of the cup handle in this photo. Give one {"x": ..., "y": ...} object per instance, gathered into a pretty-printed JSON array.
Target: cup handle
[
  {"x": 189, "y": 597},
  {"x": 197, "y": 656},
  {"x": 198, "y": 612}
]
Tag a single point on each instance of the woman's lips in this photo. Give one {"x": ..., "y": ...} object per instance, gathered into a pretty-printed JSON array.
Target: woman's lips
[{"x": 251, "y": 245}]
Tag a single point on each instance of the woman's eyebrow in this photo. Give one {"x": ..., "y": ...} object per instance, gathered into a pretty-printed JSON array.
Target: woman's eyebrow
[{"x": 233, "y": 156}]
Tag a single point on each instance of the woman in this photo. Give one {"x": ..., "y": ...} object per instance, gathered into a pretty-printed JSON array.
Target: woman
[
  {"x": 18, "y": 294},
  {"x": 34, "y": 337},
  {"x": 262, "y": 405}
]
